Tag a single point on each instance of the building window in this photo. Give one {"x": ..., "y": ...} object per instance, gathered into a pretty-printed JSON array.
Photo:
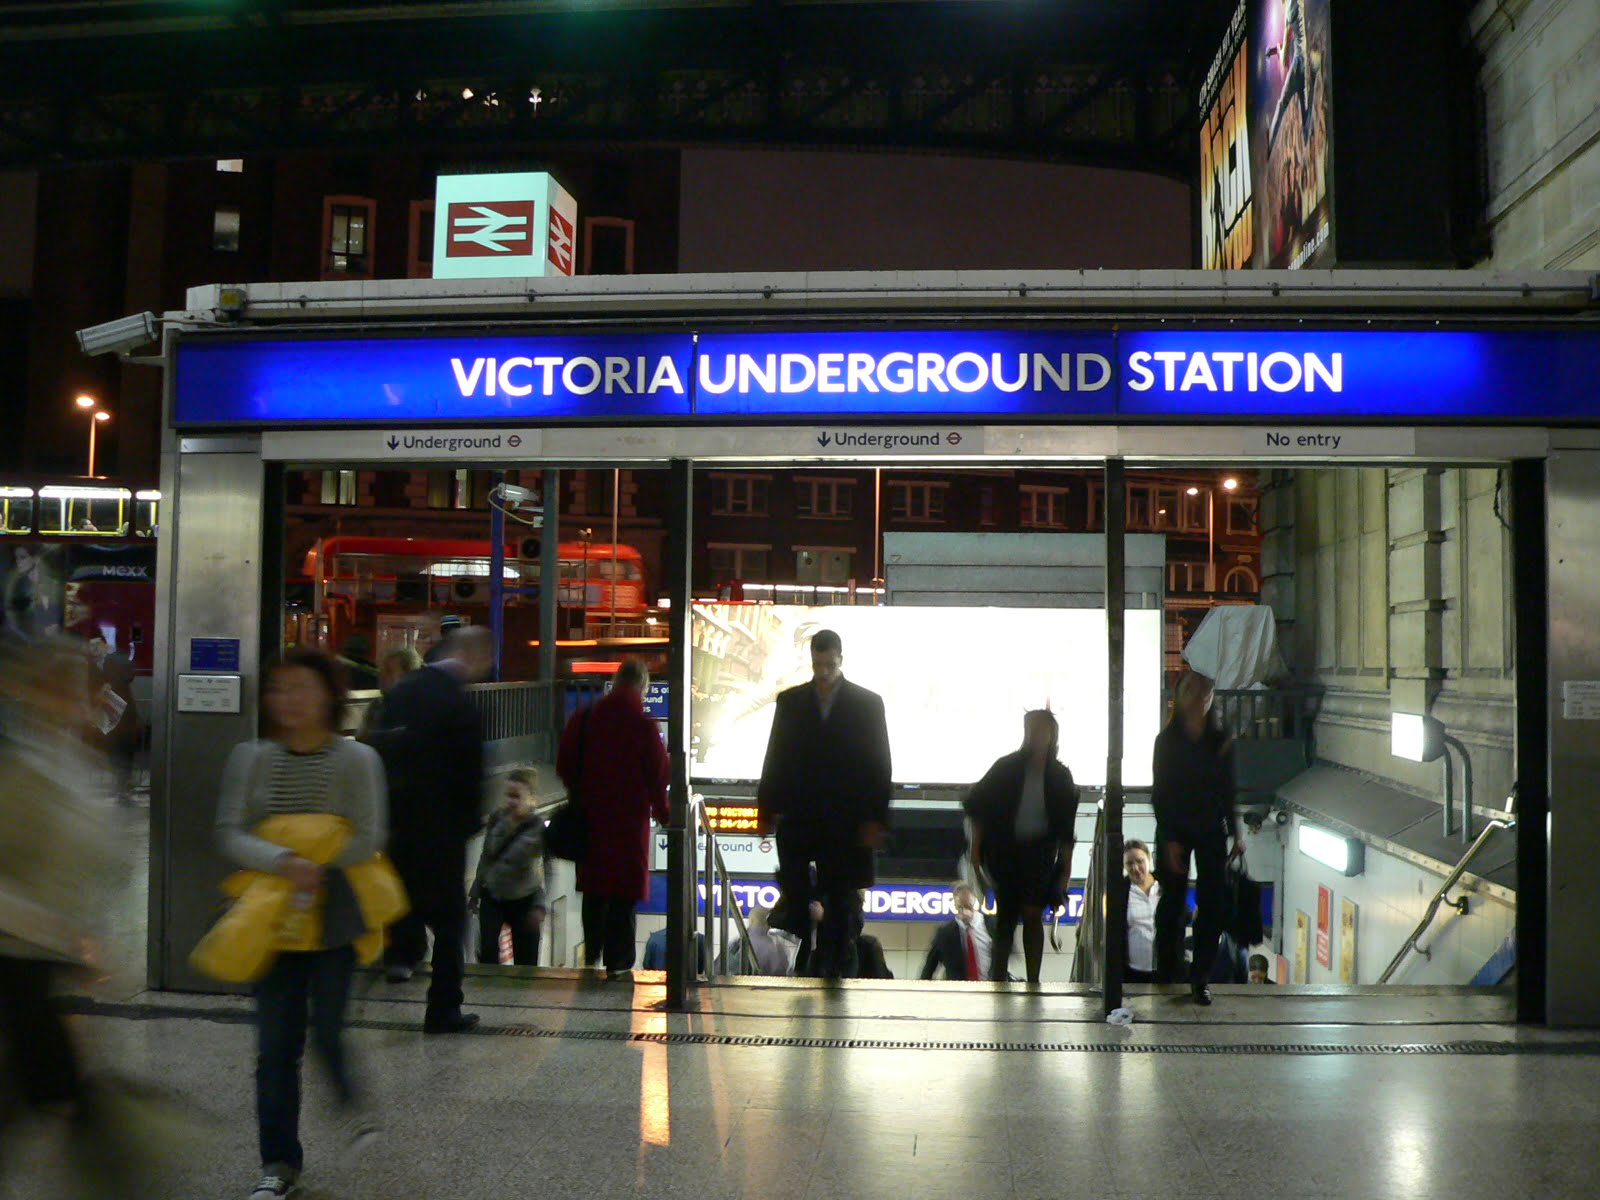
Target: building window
[
  {"x": 1241, "y": 516},
  {"x": 230, "y": 166},
  {"x": 824, "y": 497},
  {"x": 347, "y": 223},
  {"x": 339, "y": 487},
  {"x": 419, "y": 243},
  {"x": 916, "y": 501},
  {"x": 739, "y": 495},
  {"x": 1194, "y": 516},
  {"x": 1241, "y": 581},
  {"x": 986, "y": 505},
  {"x": 1188, "y": 577},
  {"x": 820, "y": 564},
  {"x": 739, "y": 562},
  {"x": 1044, "y": 508},
  {"x": 1167, "y": 509},
  {"x": 225, "y": 229},
  {"x": 607, "y": 246}
]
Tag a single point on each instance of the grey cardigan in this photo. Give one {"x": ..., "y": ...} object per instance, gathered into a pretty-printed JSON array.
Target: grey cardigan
[
  {"x": 512, "y": 868},
  {"x": 356, "y": 791}
]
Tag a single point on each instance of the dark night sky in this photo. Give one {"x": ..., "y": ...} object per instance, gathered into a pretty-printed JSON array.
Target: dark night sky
[{"x": 805, "y": 210}]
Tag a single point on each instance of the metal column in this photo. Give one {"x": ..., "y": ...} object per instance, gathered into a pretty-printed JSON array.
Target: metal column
[
  {"x": 1572, "y": 972},
  {"x": 550, "y": 575},
  {"x": 1531, "y": 596},
  {"x": 1116, "y": 898},
  {"x": 681, "y": 961},
  {"x": 497, "y": 571}
]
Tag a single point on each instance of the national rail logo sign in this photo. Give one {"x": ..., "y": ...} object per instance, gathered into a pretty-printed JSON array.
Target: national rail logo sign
[
  {"x": 563, "y": 242},
  {"x": 512, "y": 226},
  {"x": 505, "y": 228}
]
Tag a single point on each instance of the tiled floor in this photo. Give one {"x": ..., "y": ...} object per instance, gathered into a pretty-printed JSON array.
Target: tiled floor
[{"x": 568, "y": 1093}]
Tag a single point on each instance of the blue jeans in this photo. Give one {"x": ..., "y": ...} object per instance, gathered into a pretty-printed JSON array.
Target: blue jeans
[{"x": 318, "y": 982}]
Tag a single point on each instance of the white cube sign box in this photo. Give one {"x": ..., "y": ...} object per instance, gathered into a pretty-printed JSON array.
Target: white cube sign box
[{"x": 500, "y": 226}]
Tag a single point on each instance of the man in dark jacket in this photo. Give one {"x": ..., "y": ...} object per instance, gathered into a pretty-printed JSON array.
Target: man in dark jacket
[
  {"x": 963, "y": 945},
  {"x": 825, "y": 787},
  {"x": 433, "y": 750}
]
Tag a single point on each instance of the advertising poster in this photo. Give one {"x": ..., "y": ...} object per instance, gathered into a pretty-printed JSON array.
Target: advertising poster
[
  {"x": 947, "y": 722},
  {"x": 1302, "y": 947},
  {"x": 1324, "y": 926},
  {"x": 1347, "y": 941},
  {"x": 1227, "y": 210},
  {"x": 1290, "y": 127}
]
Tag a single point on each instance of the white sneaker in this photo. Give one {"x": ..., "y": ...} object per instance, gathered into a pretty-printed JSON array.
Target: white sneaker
[{"x": 276, "y": 1183}]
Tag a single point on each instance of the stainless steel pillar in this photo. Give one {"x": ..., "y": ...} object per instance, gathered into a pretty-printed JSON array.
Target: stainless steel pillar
[
  {"x": 1116, "y": 898},
  {"x": 210, "y": 586},
  {"x": 682, "y": 967}
]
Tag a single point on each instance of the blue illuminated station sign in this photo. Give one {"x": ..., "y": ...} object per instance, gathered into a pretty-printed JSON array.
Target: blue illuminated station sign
[{"x": 1077, "y": 374}]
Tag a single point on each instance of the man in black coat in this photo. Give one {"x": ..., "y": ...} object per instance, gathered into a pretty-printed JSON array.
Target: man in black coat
[
  {"x": 963, "y": 945},
  {"x": 825, "y": 788},
  {"x": 433, "y": 751}
]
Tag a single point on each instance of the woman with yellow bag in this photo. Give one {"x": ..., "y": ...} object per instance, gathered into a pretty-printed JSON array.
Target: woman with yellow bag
[{"x": 305, "y": 809}]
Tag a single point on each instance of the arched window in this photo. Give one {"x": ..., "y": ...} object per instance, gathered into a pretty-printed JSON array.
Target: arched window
[{"x": 1240, "y": 581}]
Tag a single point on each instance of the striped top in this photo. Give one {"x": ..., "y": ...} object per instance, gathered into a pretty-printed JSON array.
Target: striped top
[{"x": 298, "y": 783}]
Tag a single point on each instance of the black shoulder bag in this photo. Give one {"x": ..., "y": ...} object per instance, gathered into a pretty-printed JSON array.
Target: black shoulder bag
[{"x": 567, "y": 835}]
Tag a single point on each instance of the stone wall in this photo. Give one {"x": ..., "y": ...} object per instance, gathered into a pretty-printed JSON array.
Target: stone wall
[
  {"x": 1541, "y": 91},
  {"x": 1392, "y": 593}
]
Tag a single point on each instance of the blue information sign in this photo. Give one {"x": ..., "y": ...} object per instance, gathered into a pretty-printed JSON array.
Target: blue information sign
[
  {"x": 1172, "y": 373},
  {"x": 406, "y": 380},
  {"x": 213, "y": 654},
  {"x": 981, "y": 373}
]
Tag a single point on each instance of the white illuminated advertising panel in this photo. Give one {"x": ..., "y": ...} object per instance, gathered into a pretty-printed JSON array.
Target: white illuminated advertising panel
[
  {"x": 955, "y": 683},
  {"x": 513, "y": 225}
]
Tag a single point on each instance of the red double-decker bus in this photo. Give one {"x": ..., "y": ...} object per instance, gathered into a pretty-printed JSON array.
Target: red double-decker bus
[
  {"x": 78, "y": 556},
  {"x": 396, "y": 589}
]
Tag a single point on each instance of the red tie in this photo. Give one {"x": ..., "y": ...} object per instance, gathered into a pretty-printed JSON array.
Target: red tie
[{"x": 972, "y": 953}]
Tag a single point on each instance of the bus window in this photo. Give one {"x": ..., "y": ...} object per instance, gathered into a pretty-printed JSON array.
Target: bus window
[
  {"x": 16, "y": 510},
  {"x": 71, "y": 509},
  {"x": 146, "y": 515}
]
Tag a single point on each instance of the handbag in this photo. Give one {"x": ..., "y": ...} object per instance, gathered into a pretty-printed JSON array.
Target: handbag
[
  {"x": 1245, "y": 925},
  {"x": 567, "y": 835}
]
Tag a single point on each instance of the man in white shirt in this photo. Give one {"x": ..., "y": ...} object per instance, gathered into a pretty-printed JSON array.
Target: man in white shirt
[{"x": 1144, "y": 893}]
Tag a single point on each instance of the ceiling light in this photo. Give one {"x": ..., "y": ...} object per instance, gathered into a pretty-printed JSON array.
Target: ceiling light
[
  {"x": 102, "y": 416},
  {"x": 1342, "y": 854},
  {"x": 86, "y": 402},
  {"x": 1194, "y": 491},
  {"x": 1230, "y": 483},
  {"x": 466, "y": 93}
]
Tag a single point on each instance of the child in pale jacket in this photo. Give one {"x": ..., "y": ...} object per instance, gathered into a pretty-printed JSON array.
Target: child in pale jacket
[{"x": 509, "y": 887}]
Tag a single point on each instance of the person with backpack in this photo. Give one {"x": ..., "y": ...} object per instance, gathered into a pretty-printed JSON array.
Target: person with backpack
[{"x": 508, "y": 889}]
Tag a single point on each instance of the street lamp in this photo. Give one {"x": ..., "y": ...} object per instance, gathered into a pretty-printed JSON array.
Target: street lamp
[{"x": 97, "y": 415}]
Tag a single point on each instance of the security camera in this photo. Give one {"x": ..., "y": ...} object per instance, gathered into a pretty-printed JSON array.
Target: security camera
[
  {"x": 510, "y": 493},
  {"x": 119, "y": 336},
  {"x": 1281, "y": 816}
]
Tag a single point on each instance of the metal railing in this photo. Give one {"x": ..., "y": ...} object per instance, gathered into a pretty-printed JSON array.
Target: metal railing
[
  {"x": 718, "y": 900},
  {"x": 533, "y": 709},
  {"x": 1086, "y": 957},
  {"x": 1460, "y": 905}
]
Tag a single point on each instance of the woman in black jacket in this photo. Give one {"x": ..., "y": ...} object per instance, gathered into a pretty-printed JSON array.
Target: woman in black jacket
[
  {"x": 1022, "y": 812},
  {"x": 1192, "y": 795}
]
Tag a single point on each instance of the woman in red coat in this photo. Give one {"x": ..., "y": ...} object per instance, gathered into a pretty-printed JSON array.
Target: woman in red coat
[{"x": 622, "y": 783}]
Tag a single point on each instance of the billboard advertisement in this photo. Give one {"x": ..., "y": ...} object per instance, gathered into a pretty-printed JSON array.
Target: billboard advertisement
[
  {"x": 1227, "y": 207},
  {"x": 955, "y": 683},
  {"x": 1266, "y": 163},
  {"x": 1290, "y": 124}
]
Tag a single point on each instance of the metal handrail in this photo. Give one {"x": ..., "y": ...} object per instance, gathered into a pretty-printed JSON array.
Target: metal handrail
[
  {"x": 1451, "y": 880},
  {"x": 1085, "y": 967},
  {"x": 717, "y": 870}
]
